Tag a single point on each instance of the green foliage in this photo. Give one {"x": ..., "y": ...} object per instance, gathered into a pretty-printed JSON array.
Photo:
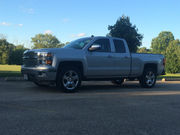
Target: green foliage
[
  {"x": 161, "y": 42},
  {"x": 5, "y": 49},
  {"x": 46, "y": 41},
  {"x": 173, "y": 57},
  {"x": 11, "y": 54},
  {"x": 143, "y": 50},
  {"x": 16, "y": 55},
  {"x": 123, "y": 28}
]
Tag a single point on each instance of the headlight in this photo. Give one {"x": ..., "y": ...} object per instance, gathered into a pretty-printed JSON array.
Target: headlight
[{"x": 45, "y": 58}]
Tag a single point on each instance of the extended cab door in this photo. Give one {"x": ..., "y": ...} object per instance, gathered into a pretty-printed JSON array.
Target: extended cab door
[
  {"x": 122, "y": 58},
  {"x": 99, "y": 62}
]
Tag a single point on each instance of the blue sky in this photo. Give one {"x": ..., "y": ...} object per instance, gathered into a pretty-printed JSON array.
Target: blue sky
[{"x": 70, "y": 19}]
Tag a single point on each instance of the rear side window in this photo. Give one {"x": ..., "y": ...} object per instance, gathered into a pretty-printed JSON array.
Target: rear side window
[
  {"x": 119, "y": 46},
  {"x": 105, "y": 45}
]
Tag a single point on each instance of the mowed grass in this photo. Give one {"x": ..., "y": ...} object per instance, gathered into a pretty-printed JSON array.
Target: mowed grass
[
  {"x": 10, "y": 70},
  {"x": 170, "y": 76}
]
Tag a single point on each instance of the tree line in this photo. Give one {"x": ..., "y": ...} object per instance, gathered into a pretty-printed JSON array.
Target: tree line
[
  {"x": 11, "y": 54},
  {"x": 164, "y": 44}
]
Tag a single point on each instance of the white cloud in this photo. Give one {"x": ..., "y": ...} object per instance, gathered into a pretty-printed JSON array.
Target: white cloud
[
  {"x": 48, "y": 32},
  {"x": 79, "y": 35},
  {"x": 27, "y": 10},
  {"x": 65, "y": 20},
  {"x": 30, "y": 10},
  {"x": 10, "y": 24},
  {"x": 20, "y": 25},
  {"x": 5, "y": 24}
]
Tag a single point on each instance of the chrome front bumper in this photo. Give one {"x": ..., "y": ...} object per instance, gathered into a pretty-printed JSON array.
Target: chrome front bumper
[{"x": 40, "y": 73}]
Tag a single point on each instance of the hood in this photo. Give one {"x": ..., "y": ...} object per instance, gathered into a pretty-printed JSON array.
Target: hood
[{"x": 57, "y": 51}]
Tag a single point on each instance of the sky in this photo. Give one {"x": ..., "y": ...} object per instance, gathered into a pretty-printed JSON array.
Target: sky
[{"x": 71, "y": 19}]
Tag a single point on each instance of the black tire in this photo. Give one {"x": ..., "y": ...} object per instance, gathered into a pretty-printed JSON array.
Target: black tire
[
  {"x": 118, "y": 82},
  {"x": 148, "y": 79},
  {"x": 69, "y": 79}
]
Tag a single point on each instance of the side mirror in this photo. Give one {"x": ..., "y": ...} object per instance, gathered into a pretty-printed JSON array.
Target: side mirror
[{"x": 94, "y": 47}]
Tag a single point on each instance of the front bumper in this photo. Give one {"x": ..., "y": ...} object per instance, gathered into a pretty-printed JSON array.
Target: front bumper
[{"x": 40, "y": 73}]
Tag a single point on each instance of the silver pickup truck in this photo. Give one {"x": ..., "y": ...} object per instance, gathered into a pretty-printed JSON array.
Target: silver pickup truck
[{"x": 91, "y": 58}]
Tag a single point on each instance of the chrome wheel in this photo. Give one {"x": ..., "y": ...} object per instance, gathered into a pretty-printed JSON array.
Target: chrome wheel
[
  {"x": 150, "y": 78},
  {"x": 70, "y": 80}
]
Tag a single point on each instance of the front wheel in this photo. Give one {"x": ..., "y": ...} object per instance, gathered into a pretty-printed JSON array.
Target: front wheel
[
  {"x": 69, "y": 79},
  {"x": 148, "y": 79}
]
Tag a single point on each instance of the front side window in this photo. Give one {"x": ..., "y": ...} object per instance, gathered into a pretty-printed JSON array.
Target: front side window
[
  {"x": 79, "y": 43},
  {"x": 119, "y": 46},
  {"x": 105, "y": 45}
]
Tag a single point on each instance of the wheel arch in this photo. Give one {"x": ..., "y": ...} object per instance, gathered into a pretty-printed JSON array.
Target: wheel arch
[
  {"x": 64, "y": 64},
  {"x": 150, "y": 65}
]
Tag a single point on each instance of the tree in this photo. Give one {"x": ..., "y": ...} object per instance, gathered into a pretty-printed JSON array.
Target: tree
[
  {"x": 123, "y": 28},
  {"x": 5, "y": 49},
  {"x": 45, "y": 41},
  {"x": 143, "y": 50},
  {"x": 161, "y": 42},
  {"x": 16, "y": 56},
  {"x": 173, "y": 57}
]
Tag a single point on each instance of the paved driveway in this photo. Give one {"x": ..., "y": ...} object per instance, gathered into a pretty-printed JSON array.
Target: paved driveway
[{"x": 99, "y": 108}]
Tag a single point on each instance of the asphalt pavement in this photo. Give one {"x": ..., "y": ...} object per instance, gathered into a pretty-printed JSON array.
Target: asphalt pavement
[{"x": 99, "y": 108}]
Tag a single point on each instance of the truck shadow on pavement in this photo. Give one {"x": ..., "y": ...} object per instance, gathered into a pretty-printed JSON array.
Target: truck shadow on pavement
[{"x": 91, "y": 87}]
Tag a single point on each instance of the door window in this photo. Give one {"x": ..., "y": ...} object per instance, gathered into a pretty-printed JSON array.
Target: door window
[
  {"x": 119, "y": 46},
  {"x": 105, "y": 45}
]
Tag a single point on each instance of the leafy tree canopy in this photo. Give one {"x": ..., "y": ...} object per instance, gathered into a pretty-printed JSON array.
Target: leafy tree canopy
[
  {"x": 5, "y": 49},
  {"x": 173, "y": 57},
  {"x": 161, "y": 42},
  {"x": 16, "y": 55},
  {"x": 123, "y": 28},
  {"x": 45, "y": 41},
  {"x": 143, "y": 50}
]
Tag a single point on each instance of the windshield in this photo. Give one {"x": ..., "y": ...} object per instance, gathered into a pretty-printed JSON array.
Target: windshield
[{"x": 79, "y": 43}]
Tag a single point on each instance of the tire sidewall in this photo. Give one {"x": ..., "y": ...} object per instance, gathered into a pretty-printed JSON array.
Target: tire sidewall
[
  {"x": 143, "y": 78},
  {"x": 60, "y": 79}
]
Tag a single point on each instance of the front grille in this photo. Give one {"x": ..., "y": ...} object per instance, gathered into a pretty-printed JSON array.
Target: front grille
[{"x": 30, "y": 59}]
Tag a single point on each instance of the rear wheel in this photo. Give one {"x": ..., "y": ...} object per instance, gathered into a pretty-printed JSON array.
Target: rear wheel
[
  {"x": 118, "y": 81},
  {"x": 69, "y": 79},
  {"x": 148, "y": 79}
]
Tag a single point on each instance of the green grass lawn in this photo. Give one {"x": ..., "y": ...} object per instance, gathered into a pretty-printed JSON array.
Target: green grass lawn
[
  {"x": 169, "y": 76},
  {"x": 10, "y": 70}
]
